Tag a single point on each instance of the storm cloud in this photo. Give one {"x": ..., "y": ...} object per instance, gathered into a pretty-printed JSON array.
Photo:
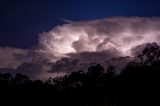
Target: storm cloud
[
  {"x": 77, "y": 45},
  {"x": 25, "y": 61},
  {"x": 97, "y": 41},
  {"x": 120, "y": 33}
]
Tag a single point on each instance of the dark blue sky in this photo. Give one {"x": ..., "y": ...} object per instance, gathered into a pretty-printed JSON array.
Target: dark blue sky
[{"x": 22, "y": 20}]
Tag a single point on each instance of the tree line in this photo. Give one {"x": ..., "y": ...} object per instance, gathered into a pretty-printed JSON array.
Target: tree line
[{"x": 137, "y": 84}]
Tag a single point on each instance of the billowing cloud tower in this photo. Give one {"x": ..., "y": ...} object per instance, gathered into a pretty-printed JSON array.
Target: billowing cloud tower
[
  {"x": 96, "y": 41},
  {"x": 77, "y": 45},
  {"x": 118, "y": 33}
]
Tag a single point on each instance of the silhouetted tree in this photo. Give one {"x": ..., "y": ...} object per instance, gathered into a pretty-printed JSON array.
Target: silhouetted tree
[
  {"x": 21, "y": 79},
  {"x": 137, "y": 84}
]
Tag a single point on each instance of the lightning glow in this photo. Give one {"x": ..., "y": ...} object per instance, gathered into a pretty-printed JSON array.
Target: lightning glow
[{"x": 121, "y": 33}]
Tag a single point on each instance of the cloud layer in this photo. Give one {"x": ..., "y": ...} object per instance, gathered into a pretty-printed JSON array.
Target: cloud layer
[
  {"x": 78, "y": 45},
  {"x": 12, "y": 57},
  {"x": 25, "y": 61},
  {"x": 120, "y": 33}
]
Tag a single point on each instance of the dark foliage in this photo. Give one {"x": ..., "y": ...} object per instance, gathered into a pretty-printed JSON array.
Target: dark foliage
[{"x": 137, "y": 84}]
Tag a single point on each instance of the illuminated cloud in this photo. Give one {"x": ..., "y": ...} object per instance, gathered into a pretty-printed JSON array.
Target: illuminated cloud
[
  {"x": 120, "y": 33},
  {"x": 97, "y": 41},
  {"x": 25, "y": 61},
  {"x": 77, "y": 45}
]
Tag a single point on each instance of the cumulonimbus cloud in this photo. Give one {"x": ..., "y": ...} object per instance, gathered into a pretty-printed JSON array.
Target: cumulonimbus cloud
[
  {"x": 120, "y": 33},
  {"x": 77, "y": 45},
  {"x": 85, "y": 40}
]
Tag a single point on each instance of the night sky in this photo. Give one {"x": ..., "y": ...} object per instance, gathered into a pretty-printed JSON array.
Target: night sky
[
  {"x": 80, "y": 52},
  {"x": 22, "y": 20}
]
